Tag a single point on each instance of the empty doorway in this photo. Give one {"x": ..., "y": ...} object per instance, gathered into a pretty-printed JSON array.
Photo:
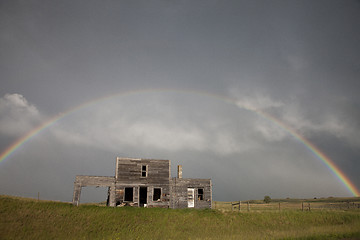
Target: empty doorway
[{"x": 143, "y": 196}]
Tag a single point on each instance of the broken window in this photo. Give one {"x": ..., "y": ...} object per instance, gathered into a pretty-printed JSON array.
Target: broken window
[
  {"x": 200, "y": 194},
  {"x": 143, "y": 170},
  {"x": 128, "y": 194},
  {"x": 157, "y": 194}
]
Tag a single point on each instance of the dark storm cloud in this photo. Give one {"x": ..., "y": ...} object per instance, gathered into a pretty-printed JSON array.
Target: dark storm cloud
[{"x": 296, "y": 60}]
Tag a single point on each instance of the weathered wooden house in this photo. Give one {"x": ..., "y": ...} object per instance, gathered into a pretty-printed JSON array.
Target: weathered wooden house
[{"x": 148, "y": 183}]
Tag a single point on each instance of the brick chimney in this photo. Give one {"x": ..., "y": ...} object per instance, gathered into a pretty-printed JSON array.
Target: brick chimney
[{"x": 179, "y": 171}]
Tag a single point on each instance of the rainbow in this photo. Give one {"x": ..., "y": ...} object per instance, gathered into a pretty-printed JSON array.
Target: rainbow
[
  {"x": 317, "y": 152},
  {"x": 320, "y": 155}
]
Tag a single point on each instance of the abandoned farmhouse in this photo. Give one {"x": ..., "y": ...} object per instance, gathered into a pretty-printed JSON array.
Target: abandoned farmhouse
[{"x": 148, "y": 183}]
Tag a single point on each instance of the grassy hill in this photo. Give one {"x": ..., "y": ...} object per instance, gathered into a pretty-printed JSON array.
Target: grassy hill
[{"x": 22, "y": 218}]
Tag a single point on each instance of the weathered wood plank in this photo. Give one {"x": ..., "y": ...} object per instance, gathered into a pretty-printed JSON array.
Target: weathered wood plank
[{"x": 129, "y": 173}]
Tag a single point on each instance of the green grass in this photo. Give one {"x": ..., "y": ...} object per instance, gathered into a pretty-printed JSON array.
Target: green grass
[
  {"x": 349, "y": 203},
  {"x": 29, "y": 219}
]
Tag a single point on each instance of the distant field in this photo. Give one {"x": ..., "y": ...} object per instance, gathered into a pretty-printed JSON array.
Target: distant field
[
  {"x": 330, "y": 203},
  {"x": 22, "y": 218}
]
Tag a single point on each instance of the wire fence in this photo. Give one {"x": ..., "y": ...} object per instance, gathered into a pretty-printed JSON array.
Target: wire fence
[{"x": 243, "y": 206}]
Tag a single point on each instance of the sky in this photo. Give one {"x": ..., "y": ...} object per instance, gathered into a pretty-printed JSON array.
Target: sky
[{"x": 216, "y": 86}]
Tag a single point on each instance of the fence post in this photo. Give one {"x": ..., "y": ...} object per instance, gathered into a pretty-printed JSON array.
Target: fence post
[
  {"x": 248, "y": 206},
  {"x": 309, "y": 207},
  {"x": 232, "y": 207},
  {"x": 239, "y": 206}
]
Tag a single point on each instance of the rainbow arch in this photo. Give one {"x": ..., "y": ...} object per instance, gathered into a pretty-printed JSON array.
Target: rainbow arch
[{"x": 340, "y": 175}]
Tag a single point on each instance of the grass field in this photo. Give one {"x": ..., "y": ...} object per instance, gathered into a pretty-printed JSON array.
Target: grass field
[
  {"x": 330, "y": 203},
  {"x": 31, "y": 219}
]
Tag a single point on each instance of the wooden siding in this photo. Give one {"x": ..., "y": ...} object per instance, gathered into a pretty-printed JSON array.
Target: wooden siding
[
  {"x": 100, "y": 181},
  {"x": 179, "y": 197},
  {"x": 128, "y": 173},
  {"x": 163, "y": 202}
]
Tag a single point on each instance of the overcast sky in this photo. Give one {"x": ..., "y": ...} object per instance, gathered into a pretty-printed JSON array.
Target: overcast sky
[{"x": 298, "y": 61}]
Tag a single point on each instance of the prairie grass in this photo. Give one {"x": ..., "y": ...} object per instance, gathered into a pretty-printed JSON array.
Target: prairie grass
[
  {"x": 31, "y": 219},
  {"x": 331, "y": 203}
]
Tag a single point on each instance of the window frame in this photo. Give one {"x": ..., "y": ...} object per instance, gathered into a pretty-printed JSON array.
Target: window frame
[
  {"x": 200, "y": 195},
  {"x": 144, "y": 171}
]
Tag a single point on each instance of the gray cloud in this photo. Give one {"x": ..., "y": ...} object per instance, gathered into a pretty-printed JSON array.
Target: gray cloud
[
  {"x": 258, "y": 149},
  {"x": 17, "y": 115},
  {"x": 163, "y": 125},
  {"x": 297, "y": 61},
  {"x": 336, "y": 116}
]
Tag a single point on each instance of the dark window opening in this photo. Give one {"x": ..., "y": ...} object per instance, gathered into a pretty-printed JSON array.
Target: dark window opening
[
  {"x": 200, "y": 194},
  {"x": 157, "y": 194},
  {"x": 143, "y": 171},
  {"x": 128, "y": 194}
]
